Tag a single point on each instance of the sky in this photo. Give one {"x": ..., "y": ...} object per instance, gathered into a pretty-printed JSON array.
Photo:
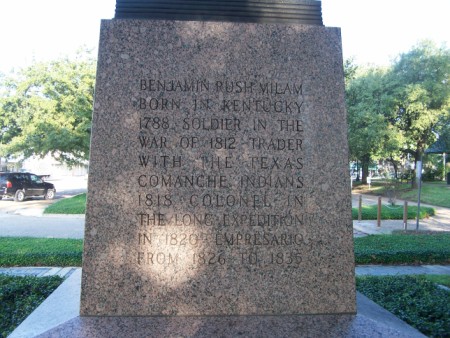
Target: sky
[{"x": 373, "y": 31}]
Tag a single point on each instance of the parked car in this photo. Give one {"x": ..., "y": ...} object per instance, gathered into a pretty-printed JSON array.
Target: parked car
[{"x": 22, "y": 185}]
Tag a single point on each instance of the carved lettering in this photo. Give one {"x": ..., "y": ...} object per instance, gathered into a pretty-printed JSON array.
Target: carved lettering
[
  {"x": 232, "y": 124},
  {"x": 271, "y": 163},
  {"x": 159, "y": 104},
  {"x": 260, "y": 182},
  {"x": 157, "y": 258},
  {"x": 261, "y": 220},
  {"x": 277, "y": 144},
  {"x": 281, "y": 89},
  {"x": 216, "y": 162},
  {"x": 258, "y": 239},
  {"x": 290, "y": 125},
  {"x": 192, "y": 181},
  {"x": 236, "y": 87},
  {"x": 163, "y": 161},
  {"x": 204, "y": 177},
  {"x": 185, "y": 85},
  {"x": 229, "y": 201},
  {"x": 253, "y": 105},
  {"x": 153, "y": 142}
]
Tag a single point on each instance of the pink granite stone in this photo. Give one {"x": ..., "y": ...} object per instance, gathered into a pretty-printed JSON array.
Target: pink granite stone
[{"x": 219, "y": 180}]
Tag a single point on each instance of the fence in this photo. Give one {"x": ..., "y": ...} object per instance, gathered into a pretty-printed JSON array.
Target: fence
[{"x": 379, "y": 206}]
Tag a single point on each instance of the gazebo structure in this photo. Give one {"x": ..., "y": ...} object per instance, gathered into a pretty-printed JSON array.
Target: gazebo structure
[{"x": 441, "y": 146}]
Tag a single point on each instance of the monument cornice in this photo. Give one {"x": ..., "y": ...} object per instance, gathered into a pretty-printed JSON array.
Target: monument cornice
[{"x": 260, "y": 11}]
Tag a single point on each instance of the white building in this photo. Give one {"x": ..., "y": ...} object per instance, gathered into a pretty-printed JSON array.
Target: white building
[{"x": 43, "y": 166}]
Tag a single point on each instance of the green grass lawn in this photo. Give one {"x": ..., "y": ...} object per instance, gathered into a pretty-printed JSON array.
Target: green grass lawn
[
  {"x": 433, "y": 193},
  {"x": 26, "y": 251},
  {"x": 413, "y": 299},
  {"x": 72, "y": 205},
  {"x": 387, "y": 212},
  {"x": 19, "y": 296},
  {"x": 438, "y": 279}
]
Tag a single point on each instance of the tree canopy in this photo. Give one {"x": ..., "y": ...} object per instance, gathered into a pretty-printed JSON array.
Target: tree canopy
[
  {"x": 47, "y": 108},
  {"x": 420, "y": 95},
  {"x": 400, "y": 110},
  {"x": 370, "y": 134}
]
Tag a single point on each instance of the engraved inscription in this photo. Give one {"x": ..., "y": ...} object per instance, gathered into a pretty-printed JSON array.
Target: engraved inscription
[{"x": 226, "y": 146}]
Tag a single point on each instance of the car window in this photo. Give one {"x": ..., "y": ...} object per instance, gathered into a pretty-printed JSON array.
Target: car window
[
  {"x": 35, "y": 179},
  {"x": 17, "y": 177}
]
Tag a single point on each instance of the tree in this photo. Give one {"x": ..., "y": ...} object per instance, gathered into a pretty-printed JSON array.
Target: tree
[
  {"x": 370, "y": 135},
  {"x": 47, "y": 108},
  {"x": 350, "y": 70},
  {"x": 420, "y": 96},
  {"x": 8, "y": 125}
]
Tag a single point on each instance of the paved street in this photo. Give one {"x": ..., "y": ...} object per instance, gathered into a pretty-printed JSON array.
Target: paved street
[
  {"x": 67, "y": 186},
  {"x": 27, "y": 219}
]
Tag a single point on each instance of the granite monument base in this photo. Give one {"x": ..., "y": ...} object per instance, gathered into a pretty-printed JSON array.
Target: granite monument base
[
  {"x": 58, "y": 317},
  {"x": 233, "y": 326}
]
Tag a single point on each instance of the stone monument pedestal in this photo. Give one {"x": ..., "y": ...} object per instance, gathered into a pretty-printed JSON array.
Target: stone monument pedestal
[
  {"x": 58, "y": 317},
  {"x": 218, "y": 181}
]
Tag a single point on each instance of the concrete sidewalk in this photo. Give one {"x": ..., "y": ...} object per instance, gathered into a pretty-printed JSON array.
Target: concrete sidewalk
[
  {"x": 51, "y": 226},
  {"x": 361, "y": 228},
  {"x": 39, "y": 271},
  {"x": 386, "y": 270},
  {"x": 360, "y": 270},
  {"x": 438, "y": 222}
]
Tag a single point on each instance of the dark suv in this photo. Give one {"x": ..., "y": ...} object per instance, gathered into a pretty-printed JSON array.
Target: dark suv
[{"x": 23, "y": 185}]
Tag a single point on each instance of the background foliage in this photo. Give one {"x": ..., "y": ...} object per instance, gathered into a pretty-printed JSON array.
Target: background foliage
[
  {"x": 47, "y": 108},
  {"x": 400, "y": 110}
]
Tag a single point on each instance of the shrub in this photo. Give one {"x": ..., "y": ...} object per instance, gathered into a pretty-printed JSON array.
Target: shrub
[
  {"x": 19, "y": 296},
  {"x": 415, "y": 300},
  {"x": 403, "y": 249},
  {"x": 391, "y": 212}
]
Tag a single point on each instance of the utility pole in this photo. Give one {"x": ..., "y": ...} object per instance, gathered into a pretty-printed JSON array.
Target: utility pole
[{"x": 419, "y": 177}]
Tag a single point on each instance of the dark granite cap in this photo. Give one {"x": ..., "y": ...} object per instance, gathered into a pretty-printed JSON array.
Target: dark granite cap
[{"x": 262, "y": 11}]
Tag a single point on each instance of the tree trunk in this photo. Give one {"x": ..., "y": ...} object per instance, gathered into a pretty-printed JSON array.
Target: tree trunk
[
  {"x": 395, "y": 169},
  {"x": 365, "y": 161},
  {"x": 395, "y": 165},
  {"x": 357, "y": 172}
]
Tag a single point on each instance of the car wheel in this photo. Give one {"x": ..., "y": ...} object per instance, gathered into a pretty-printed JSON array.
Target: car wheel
[
  {"x": 50, "y": 194},
  {"x": 19, "y": 196}
]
